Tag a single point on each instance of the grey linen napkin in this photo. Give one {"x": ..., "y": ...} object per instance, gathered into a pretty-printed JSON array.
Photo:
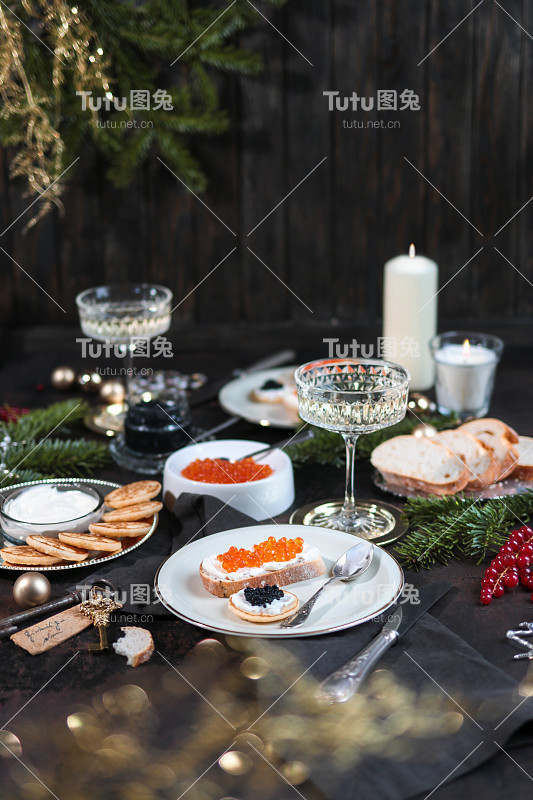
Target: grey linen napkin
[{"x": 429, "y": 658}]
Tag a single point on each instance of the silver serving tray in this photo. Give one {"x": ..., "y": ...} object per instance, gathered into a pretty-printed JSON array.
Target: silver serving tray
[{"x": 128, "y": 544}]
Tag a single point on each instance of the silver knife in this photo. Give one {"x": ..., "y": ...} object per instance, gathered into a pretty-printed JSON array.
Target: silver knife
[
  {"x": 274, "y": 360},
  {"x": 345, "y": 681}
]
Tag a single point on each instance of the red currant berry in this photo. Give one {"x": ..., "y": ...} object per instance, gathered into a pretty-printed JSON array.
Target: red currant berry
[
  {"x": 498, "y": 590},
  {"x": 486, "y": 598},
  {"x": 515, "y": 545},
  {"x": 518, "y": 535},
  {"x": 527, "y": 581},
  {"x": 497, "y": 564},
  {"x": 492, "y": 572},
  {"x": 511, "y": 580},
  {"x": 487, "y": 583},
  {"x": 509, "y": 560},
  {"x": 526, "y": 530},
  {"x": 526, "y": 550},
  {"x": 522, "y": 562},
  {"x": 505, "y": 548}
]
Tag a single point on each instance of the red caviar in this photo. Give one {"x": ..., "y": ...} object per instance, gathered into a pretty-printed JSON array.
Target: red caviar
[
  {"x": 270, "y": 550},
  {"x": 215, "y": 470}
]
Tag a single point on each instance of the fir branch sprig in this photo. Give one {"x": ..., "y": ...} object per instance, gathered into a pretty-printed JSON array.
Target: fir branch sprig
[
  {"x": 40, "y": 422},
  {"x": 58, "y": 457},
  {"x": 17, "y": 476},
  {"x": 454, "y": 526},
  {"x": 108, "y": 50}
]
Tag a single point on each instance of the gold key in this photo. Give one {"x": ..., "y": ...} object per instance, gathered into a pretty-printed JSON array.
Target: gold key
[{"x": 99, "y": 607}]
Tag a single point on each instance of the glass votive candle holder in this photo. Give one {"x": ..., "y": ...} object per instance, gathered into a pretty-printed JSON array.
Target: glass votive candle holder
[{"x": 465, "y": 366}]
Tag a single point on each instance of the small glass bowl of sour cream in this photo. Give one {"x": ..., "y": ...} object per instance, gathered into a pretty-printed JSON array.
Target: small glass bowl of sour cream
[{"x": 49, "y": 507}]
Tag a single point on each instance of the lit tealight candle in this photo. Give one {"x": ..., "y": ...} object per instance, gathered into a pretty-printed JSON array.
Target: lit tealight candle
[{"x": 466, "y": 365}]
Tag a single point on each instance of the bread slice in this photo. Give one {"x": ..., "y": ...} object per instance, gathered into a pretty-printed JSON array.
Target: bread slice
[
  {"x": 478, "y": 457},
  {"x": 260, "y": 616},
  {"x": 225, "y": 587},
  {"x": 500, "y": 437},
  {"x": 136, "y": 644},
  {"x": 422, "y": 464},
  {"x": 523, "y": 469}
]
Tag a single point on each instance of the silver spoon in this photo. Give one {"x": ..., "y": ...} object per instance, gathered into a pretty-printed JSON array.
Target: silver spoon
[
  {"x": 296, "y": 438},
  {"x": 350, "y": 565}
]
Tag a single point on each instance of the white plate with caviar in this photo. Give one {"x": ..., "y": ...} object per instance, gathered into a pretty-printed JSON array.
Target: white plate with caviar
[
  {"x": 277, "y": 411},
  {"x": 343, "y": 605}
]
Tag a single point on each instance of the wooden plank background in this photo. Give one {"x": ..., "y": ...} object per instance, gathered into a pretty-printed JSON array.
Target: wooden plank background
[{"x": 319, "y": 256}]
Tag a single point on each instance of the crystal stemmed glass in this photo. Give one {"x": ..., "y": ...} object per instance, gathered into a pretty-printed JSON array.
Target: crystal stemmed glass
[
  {"x": 351, "y": 397},
  {"x": 123, "y": 313}
]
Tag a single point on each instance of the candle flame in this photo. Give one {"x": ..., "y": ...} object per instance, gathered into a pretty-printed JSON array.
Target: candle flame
[
  {"x": 466, "y": 348},
  {"x": 412, "y": 251}
]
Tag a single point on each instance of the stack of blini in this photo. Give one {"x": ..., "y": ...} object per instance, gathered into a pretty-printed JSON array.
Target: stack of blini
[
  {"x": 131, "y": 515},
  {"x": 471, "y": 457}
]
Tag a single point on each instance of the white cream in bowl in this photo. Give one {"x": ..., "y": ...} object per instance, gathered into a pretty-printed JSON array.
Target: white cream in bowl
[
  {"x": 43, "y": 504},
  {"x": 49, "y": 507}
]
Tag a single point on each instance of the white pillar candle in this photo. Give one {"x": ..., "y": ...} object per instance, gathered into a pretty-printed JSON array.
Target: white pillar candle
[
  {"x": 410, "y": 315},
  {"x": 465, "y": 377}
]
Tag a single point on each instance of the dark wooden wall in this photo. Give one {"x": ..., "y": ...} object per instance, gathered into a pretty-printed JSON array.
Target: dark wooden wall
[{"x": 328, "y": 241}]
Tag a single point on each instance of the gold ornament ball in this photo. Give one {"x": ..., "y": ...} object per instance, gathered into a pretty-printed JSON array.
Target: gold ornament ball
[
  {"x": 31, "y": 589},
  {"x": 89, "y": 382},
  {"x": 112, "y": 392},
  {"x": 423, "y": 430},
  {"x": 63, "y": 378}
]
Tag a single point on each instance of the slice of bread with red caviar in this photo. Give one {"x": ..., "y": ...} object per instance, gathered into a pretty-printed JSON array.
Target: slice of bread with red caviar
[{"x": 305, "y": 564}]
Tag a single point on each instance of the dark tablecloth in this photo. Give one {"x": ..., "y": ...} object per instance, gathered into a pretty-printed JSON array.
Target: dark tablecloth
[{"x": 64, "y": 679}]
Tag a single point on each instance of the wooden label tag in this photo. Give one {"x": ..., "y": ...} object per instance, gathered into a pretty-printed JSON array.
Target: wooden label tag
[{"x": 46, "y": 634}]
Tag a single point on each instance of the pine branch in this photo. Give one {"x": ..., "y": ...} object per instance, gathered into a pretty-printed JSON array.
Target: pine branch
[
  {"x": 452, "y": 527},
  {"x": 111, "y": 49},
  {"x": 18, "y": 476},
  {"x": 40, "y": 422},
  {"x": 58, "y": 457}
]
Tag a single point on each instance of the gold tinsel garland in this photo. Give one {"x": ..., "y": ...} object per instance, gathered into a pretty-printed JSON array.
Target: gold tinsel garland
[{"x": 75, "y": 47}]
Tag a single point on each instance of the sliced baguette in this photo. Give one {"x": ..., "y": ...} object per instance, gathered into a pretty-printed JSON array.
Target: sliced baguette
[
  {"x": 523, "y": 469},
  {"x": 421, "y": 464},
  {"x": 223, "y": 587},
  {"x": 500, "y": 437},
  {"x": 478, "y": 457}
]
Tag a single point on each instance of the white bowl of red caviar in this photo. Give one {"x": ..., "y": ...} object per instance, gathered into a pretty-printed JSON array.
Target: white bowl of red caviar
[{"x": 261, "y": 489}]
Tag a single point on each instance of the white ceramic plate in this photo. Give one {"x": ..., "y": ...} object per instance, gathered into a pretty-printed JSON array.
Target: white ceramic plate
[
  {"x": 128, "y": 543},
  {"x": 343, "y": 605},
  {"x": 235, "y": 398}
]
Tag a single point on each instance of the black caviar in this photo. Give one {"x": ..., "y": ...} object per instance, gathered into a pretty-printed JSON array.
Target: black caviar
[
  {"x": 263, "y": 595},
  {"x": 270, "y": 384}
]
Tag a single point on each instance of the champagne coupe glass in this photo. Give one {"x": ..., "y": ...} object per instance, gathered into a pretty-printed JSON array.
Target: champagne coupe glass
[
  {"x": 121, "y": 313},
  {"x": 351, "y": 397}
]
